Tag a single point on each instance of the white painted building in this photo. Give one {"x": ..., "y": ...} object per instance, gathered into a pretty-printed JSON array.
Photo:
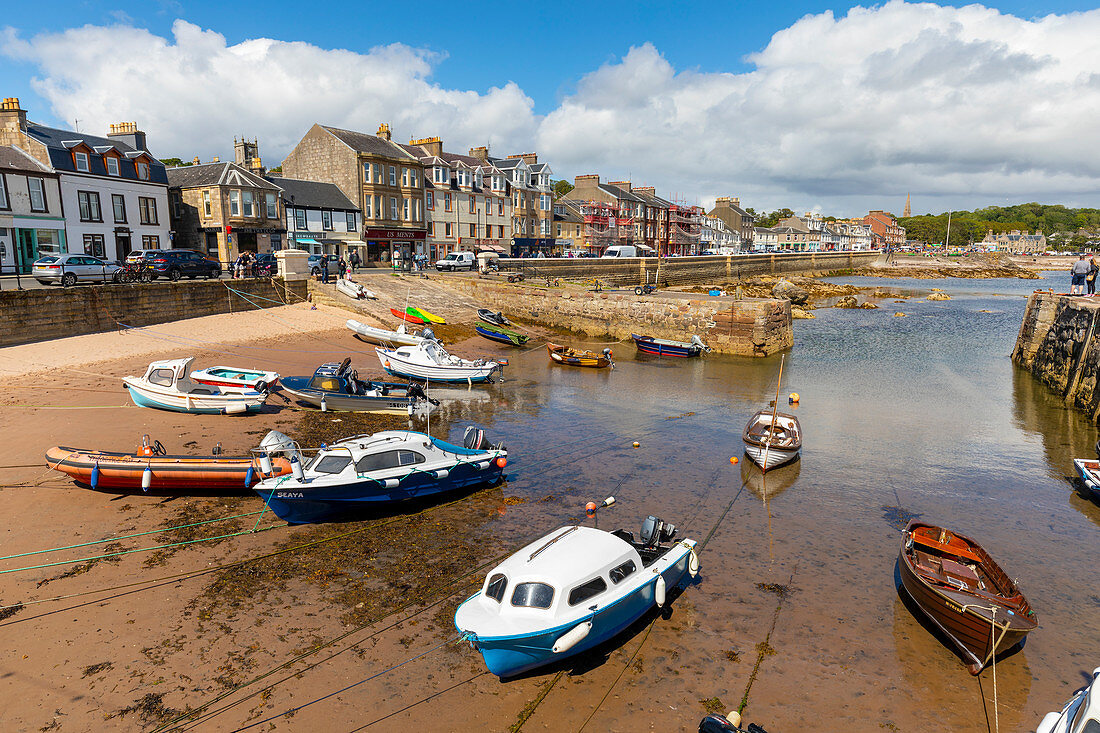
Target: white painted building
[
  {"x": 716, "y": 235},
  {"x": 320, "y": 218}
]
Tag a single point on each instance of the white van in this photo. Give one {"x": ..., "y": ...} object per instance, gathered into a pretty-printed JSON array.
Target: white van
[
  {"x": 629, "y": 250},
  {"x": 456, "y": 261}
]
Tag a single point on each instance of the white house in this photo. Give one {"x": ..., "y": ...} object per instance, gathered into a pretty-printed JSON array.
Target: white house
[{"x": 320, "y": 218}]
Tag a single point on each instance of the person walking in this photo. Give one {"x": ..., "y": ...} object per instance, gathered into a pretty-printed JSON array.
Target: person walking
[
  {"x": 1080, "y": 270},
  {"x": 1090, "y": 279},
  {"x": 354, "y": 260},
  {"x": 238, "y": 267},
  {"x": 325, "y": 264},
  {"x": 341, "y": 268}
]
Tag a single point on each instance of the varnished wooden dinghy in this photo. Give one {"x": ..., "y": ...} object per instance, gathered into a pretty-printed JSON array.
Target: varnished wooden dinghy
[{"x": 575, "y": 357}]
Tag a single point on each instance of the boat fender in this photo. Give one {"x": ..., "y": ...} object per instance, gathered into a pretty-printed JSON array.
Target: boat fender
[
  {"x": 1090, "y": 485},
  {"x": 248, "y": 477},
  {"x": 659, "y": 591},
  {"x": 236, "y": 408},
  {"x": 693, "y": 562},
  {"x": 265, "y": 465},
  {"x": 442, "y": 473},
  {"x": 571, "y": 638},
  {"x": 391, "y": 483},
  {"x": 95, "y": 475},
  {"x": 296, "y": 469},
  {"x": 146, "y": 479},
  {"x": 324, "y": 404},
  {"x": 411, "y": 409}
]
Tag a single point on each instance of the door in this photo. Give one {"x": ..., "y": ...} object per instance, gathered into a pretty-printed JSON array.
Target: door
[
  {"x": 26, "y": 249},
  {"x": 122, "y": 246}
]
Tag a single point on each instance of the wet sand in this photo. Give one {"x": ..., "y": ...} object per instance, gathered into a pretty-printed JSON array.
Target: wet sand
[{"x": 796, "y": 610}]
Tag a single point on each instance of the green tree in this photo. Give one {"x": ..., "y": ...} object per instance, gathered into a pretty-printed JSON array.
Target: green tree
[
  {"x": 173, "y": 162},
  {"x": 561, "y": 188},
  {"x": 771, "y": 219}
]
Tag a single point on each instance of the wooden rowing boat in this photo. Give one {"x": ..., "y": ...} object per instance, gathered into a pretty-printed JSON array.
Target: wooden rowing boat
[
  {"x": 495, "y": 317},
  {"x": 575, "y": 357},
  {"x": 407, "y": 317},
  {"x": 964, "y": 592},
  {"x": 770, "y": 446}
]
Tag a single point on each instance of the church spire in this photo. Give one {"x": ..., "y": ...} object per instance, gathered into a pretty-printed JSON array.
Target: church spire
[{"x": 908, "y": 208}]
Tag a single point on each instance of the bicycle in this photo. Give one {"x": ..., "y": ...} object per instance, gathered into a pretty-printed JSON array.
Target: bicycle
[{"x": 131, "y": 272}]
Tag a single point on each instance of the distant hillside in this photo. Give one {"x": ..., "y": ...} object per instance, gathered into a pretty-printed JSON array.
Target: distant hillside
[{"x": 971, "y": 226}]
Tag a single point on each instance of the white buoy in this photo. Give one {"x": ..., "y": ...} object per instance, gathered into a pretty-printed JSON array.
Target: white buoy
[
  {"x": 146, "y": 479},
  {"x": 324, "y": 404},
  {"x": 659, "y": 591},
  {"x": 609, "y": 501},
  {"x": 411, "y": 409},
  {"x": 693, "y": 562},
  {"x": 296, "y": 469},
  {"x": 734, "y": 718},
  {"x": 571, "y": 638},
  {"x": 236, "y": 408},
  {"x": 265, "y": 465}
]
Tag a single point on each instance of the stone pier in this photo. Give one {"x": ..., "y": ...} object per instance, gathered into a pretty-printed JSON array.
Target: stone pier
[
  {"x": 1057, "y": 343},
  {"x": 747, "y": 327}
]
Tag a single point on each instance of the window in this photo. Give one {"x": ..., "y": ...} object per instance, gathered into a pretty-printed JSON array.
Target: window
[
  {"x": 81, "y": 162},
  {"x": 206, "y": 203},
  {"x": 431, "y": 228},
  {"x": 431, "y": 200},
  {"x": 150, "y": 241},
  {"x": 473, "y": 230},
  {"x": 162, "y": 377},
  {"x": 414, "y": 179},
  {"x": 500, "y": 207},
  {"x": 533, "y": 595},
  {"x": 388, "y": 459},
  {"x": 234, "y": 203},
  {"x": 544, "y": 202},
  {"x": 326, "y": 221},
  {"x": 3, "y": 193},
  {"x": 246, "y": 203},
  {"x": 559, "y": 230},
  {"x": 36, "y": 187},
  {"x": 367, "y": 208},
  {"x": 378, "y": 207},
  {"x": 147, "y": 209},
  {"x": 366, "y": 173},
  {"x": 112, "y": 165},
  {"x": 447, "y": 230},
  {"x": 495, "y": 587},
  {"x": 393, "y": 207},
  {"x": 118, "y": 203},
  {"x": 93, "y": 245},
  {"x": 142, "y": 170},
  {"x": 300, "y": 218},
  {"x": 272, "y": 209},
  {"x": 349, "y": 218},
  {"x": 473, "y": 204},
  {"x": 446, "y": 202},
  {"x": 331, "y": 464},
  {"x": 501, "y": 231},
  {"x": 544, "y": 227},
  {"x": 583, "y": 592},
  {"x": 622, "y": 572},
  {"x": 440, "y": 175},
  {"x": 404, "y": 176},
  {"x": 89, "y": 205},
  {"x": 405, "y": 209},
  {"x": 393, "y": 177}
]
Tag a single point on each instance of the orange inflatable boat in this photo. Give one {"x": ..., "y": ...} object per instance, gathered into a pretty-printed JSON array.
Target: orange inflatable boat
[{"x": 109, "y": 470}]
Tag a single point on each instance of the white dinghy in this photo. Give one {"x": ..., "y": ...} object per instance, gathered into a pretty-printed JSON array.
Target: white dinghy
[
  {"x": 167, "y": 386},
  {"x": 428, "y": 360},
  {"x": 354, "y": 290},
  {"x": 384, "y": 337}
]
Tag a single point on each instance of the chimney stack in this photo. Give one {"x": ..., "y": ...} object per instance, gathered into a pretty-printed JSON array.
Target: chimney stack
[
  {"x": 12, "y": 118},
  {"x": 589, "y": 180},
  {"x": 195, "y": 161},
  {"x": 481, "y": 153},
  {"x": 384, "y": 131},
  {"x": 128, "y": 134},
  {"x": 431, "y": 145},
  {"x": 528, "y": 158},
  {"x": 624, "y": 185}
]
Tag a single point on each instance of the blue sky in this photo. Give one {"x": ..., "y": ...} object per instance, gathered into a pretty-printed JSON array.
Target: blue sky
[{"x": 597, "y": 87}]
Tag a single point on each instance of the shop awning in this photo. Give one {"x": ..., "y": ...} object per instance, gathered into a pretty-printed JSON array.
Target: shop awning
[
  {"x": 306, "y": 240},
  {"x": 356, "y": 242},
  {"x": 491, "y": 248}
]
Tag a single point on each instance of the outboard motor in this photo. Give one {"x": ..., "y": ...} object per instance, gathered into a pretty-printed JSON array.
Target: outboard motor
[
  {"x": 696, "y": 341},
  {"x": 429, "y": 334},
  {"x": 1098, "y": 450},
  {"x": 474, "y": 439},
  {"x": 275, "y": 442},
  {"x": 729, "y": 724},
  {"x": 655, "y": 531}
]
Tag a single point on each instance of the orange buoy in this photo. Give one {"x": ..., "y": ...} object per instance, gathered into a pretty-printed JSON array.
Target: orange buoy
[
  {"x": 501, "y": 461},
  {"x": 792, "y": 398},
  {"x": 636, "y": 444},
  {"x": 590, "y": 508},
  {"x": 733, "y": 460}
]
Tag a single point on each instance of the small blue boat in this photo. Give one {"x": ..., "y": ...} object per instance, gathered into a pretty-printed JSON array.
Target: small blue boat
[
  {"x": 571, "y": 590},
  {"x": 663, "y": 347},
  {"x": 368, "y": 470},
  {"x": 501, "y": 334},
  {"x": 336, "y": 386}
]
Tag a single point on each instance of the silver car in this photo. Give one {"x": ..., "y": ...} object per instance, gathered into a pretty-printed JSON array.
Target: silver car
[{"x": 71, "y": 269}]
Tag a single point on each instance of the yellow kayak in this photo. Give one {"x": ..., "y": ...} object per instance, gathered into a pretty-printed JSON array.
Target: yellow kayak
[{"x": 424, "y": 315}]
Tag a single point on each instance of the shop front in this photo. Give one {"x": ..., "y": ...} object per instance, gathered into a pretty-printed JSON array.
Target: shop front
[
  {"x": 24, "y": 239},
  {"x": 534, "y": 246},
  {"x": 397, "y": 246}
]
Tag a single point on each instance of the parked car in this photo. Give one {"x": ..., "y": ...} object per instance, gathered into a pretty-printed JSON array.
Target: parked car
[
  {"x": 265, "y": 265},
  {"x": 629, "y": 250},
  {"x": 315, "y": 264},
  {"x": 175, "y": 263},
  {"x": 456, "y": 261},
  {"x": 71, "y": 269}
]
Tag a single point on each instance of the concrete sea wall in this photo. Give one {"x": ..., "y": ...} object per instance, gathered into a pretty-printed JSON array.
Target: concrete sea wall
[
  {"x": 56, "y": 312},
  {"x": 691, "y": 270},
  {"x": 1058, "y": 344},
  {"x": 748, "y": 327}
]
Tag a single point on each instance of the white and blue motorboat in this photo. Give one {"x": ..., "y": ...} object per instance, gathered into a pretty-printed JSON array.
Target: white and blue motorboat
[
  {"x": 167, "y": 386},
  {"x": 388, "y": 466},
  {"x": 336, "y": 386},
  {"x": 1089, "y": 471},
  {"x": 1080, "y": 715},
  {"x": 429, "y": 361},
  {"x": 571, "y": 590}
]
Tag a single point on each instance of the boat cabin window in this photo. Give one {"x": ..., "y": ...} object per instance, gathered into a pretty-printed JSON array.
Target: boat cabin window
[
  {"x": 496, "y": 586},
  {"x": 388, "y": 459},
  {"x": 620, "y": 573},
  {"x": 331, "y": 464},
  {"x": 163, "y": 377},
  {"x": 328, "y": 384},
  {"x": 533, "y": 595},
  {"x": 583, "y": 592}
]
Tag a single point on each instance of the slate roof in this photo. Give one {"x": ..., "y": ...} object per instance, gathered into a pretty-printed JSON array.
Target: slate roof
[
  {"x": 14, "y": 159},
  {"x": 314, "y": 194},
  {"x": 652, "y": 200},
  {"x": 621, "y": 193},
  {"x": 216, "y": 174},
  {"x": 371, "y": 144},
  {"x": 58, "y": 143}
]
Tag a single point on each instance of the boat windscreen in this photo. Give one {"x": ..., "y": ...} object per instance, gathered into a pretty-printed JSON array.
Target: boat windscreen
[
  {"x": 330, "y": 463},
  {"x": 533, "y": 595}
]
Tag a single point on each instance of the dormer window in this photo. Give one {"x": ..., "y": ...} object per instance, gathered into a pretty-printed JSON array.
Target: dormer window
[
  {"x": 142, "y": 170},
  {"x": 498, "y": 182},
  {"x": 440, "y": 174},
  {"x": 81, "y": 161},
  {"x": 112, "y": 165}
]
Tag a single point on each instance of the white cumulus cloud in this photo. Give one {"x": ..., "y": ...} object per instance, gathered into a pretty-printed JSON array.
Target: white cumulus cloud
[{"x": 960, "y": 106}]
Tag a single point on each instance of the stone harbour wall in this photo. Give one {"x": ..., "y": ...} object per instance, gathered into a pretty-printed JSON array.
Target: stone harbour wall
[
  {"x": 747, "y": 327},
  {"x": 1057, "y": 343},
  {"x": 690, "y": 270},
  {"x": 49, "y": 313}
]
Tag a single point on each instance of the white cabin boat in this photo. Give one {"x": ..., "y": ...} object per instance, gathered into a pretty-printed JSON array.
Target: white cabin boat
[
  {"x": 167, "y": 386},
  {"x": 428, "y": 360},
  {"x": 1080, "y": 715}
]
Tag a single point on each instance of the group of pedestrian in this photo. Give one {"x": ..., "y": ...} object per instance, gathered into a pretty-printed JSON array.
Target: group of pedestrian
[
  {"x": 243, "y": 265},
  {"x": 1084, "y": 276},
  {"x": 344, "y": 268}
]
